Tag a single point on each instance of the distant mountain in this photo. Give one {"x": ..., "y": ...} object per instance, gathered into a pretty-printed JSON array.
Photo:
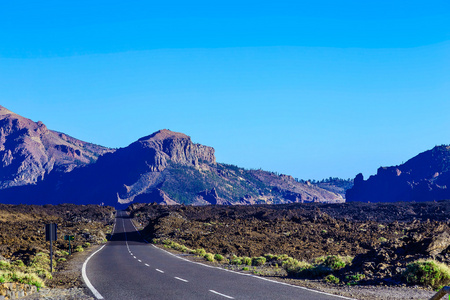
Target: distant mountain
[
  {"x": 165, "y": 167},
  {"x": 336, "y": 185},
  {"x": 29, "y": 152},
  {"x": 426, "y": 177}
]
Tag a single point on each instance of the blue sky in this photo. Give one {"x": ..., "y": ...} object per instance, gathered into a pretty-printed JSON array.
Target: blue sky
[{"x": 312, "y": 89}]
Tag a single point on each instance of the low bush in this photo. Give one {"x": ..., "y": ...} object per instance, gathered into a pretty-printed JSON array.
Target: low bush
[
  {"x": 295, "y": 267},
  {"x": 247, "y": 261},
  {"x": 235, "y": 260},
  {"x": 79, "y": 249},
  {"x": 331, "y": 279},
  {"x": 18, "y": 263},
  {"x": 258, "y": 261},
  {"x": 26, "y": 278},
  {"x": 209, "y": 257},
  {"x": 335, "y": 262},
  {"x": 427, "y": 273},
  {"x": 218, "y": 257},
  {"x": 354, "y": 279},
  {"x": 200, "y": 252}
]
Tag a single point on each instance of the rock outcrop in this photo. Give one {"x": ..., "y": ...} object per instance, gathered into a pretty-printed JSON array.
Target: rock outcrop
[
  {"x": 166, "y": 167},
  {"x": 425, "y": 177},
  {"x": 29, "y": 151}
]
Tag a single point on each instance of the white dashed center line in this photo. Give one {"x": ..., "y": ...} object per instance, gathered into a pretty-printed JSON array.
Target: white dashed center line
[
  {"x": 134, "y": 257},
  {"x": 147, "y": 265},
  {"x": 181, "y": 279},
  {"x": 139, "y": 260},
  {"x": 159, "y": 271},
  {"x": 223, "y": 295}
]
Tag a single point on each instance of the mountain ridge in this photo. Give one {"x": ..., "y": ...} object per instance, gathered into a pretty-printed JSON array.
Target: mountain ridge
[
  {"x": 425, "y": 177},
  {"x": 164, "y": 167},
  {"x": 29, "y": 151}
]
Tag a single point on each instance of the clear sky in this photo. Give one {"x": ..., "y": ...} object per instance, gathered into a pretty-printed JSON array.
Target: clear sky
[{"x": 308, "y": 88}]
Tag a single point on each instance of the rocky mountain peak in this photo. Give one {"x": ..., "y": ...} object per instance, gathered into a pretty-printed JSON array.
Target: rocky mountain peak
[
  {"x": 165, "y": 145},
  {"x": 29, "y": 151}
]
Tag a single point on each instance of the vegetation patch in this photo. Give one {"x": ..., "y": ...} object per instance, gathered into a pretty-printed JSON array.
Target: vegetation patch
[{"x": 427, "y": 273}]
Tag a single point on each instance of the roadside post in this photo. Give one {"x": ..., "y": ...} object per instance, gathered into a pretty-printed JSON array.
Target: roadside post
[
  {"x": 69, "y": 238},
  {"x": 50, "y": 235}
]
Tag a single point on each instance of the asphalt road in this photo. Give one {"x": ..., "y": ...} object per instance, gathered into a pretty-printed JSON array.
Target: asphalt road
[{"x": 129, "y": 268}]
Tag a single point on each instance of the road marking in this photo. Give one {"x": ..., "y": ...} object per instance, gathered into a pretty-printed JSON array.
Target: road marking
[
  {"x": 245, "y": 274},
  {"x": 139, "y": 260},
  {"x": 147, "y": 265},
  {"x": 134, "y": 257},
  {"x": 85, "y": 278},
  {"x": 181, "y": 279},
  {"x": 159, "y": 271},
  {"x": 254, "y": 276},
  {"x": 223, "y": 295}
]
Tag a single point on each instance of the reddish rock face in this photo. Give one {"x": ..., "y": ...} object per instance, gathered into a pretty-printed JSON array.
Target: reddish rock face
[{"x": 29, "y": 151}]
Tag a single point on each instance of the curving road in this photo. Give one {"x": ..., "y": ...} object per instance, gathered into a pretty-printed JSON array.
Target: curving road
[{"x": 129, "y": 268}]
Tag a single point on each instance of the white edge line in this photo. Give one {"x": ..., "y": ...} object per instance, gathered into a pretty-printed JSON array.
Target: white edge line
[
  {"x": 244, "y": 274},
  {"x": 220, "y": 294},
  {"x": 85, "y": 278},
  {"x": 181, "y": 279},
  {"x": 83, "y": 269},
  {"x": 254, "y": 276}
]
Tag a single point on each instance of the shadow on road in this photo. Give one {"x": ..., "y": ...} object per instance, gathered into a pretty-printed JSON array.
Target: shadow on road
[{"x": 132, "y": 237}]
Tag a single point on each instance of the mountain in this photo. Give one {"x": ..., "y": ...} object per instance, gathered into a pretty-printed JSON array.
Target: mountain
[
  {"x": 165, "y": 167},
  {"x": 29, "y": 152},
  {"x": 426, "y": 177}
]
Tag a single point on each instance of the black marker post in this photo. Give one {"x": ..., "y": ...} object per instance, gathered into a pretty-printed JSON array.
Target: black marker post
[{"x": 50, "y": 235}]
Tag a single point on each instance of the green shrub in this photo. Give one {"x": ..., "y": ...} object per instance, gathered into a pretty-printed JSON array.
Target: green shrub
[
  {"x": 62, "y": 259},
  {"x": 79, "y": 249},
  {"x": 247, "y": 261},
  {"x": 200, "y": 252},
  {"x": 86, "y": 245},
  {"x": 218, "y": 257},
  {"x": 427, "y": 273},
  {"x": 209, "y": 257},
  {"x": 62, "y": 253},
  {"x": 26, "y": 278},
  {"x": 331, "y": 279},
  {"x": 18, "y": 263},
  {"x": 235, "y": 260},
  {"x": 258, "y": 261},
  {"x": 295, "y": 267},
  {"x": 382, "y": 239},
  {"x": 245, "y": 269},
  {"x": 335, "y": 262},
  {"x": 354, "y": 279},
  {"x": 41, "y": 261},
  {"x": 269, "y": 256}
]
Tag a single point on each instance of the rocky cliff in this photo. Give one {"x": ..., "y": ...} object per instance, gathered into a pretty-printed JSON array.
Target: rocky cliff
[
  {"x": 425, "y": 177},
  {"x": 40, "y": 166},
  {"x": 29, "y": 151}
]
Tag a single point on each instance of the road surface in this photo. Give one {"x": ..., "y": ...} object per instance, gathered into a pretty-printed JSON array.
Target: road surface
[{"x": 127, "y": 267}]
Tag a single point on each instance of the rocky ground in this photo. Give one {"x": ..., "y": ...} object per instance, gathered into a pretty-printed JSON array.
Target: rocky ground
[
  {"x": 382, "y": 239},
  {"x": 23, "y": 247}
]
